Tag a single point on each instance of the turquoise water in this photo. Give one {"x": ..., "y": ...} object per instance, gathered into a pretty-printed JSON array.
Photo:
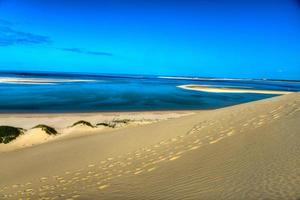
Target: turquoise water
[{"x": 50, "y": 92}]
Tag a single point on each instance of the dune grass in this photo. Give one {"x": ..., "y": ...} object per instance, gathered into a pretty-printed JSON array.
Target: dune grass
[
  {"x": 9, "y": 133},
  {"x": 124, "y": 121},
  {"x": 110, "y": 125},
  {"x": 82, "y": 122},
  {"x": 49, "y": 130},
  {"x": 114, "y": 123}
]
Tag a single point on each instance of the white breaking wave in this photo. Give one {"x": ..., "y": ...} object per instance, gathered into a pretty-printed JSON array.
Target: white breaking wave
[
  {"x": 227, "y": 79},
  {"x": 197, "y": 78},
  {"x": 13, "y": 80}
]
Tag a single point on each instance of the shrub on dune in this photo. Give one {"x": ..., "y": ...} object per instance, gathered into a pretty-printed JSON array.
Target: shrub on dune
[
  {"x": 81, "y": 122},
  {"x": 114, "y": 123},
  {"x": 9, "y": 133},
  {"x": 110, "y": 125},
  {"x": 49, "y": 130},
  {"x": 122, "y": 121}
]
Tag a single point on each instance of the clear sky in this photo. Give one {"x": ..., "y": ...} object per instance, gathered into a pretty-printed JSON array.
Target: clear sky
[{"x": 218, "y": 38}]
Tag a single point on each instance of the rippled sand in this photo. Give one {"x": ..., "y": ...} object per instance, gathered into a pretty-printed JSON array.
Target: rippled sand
[{"x": 249, "y": 151}]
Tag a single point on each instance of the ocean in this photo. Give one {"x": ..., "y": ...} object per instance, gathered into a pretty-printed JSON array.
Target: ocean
[{"x": 35, "y": 92}]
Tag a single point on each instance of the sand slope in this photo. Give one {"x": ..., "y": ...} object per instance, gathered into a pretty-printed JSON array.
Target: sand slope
[{"x": 249, "y": 151}]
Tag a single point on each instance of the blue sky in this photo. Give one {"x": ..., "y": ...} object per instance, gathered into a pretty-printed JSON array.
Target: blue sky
[{"x": 216, "y": 38}]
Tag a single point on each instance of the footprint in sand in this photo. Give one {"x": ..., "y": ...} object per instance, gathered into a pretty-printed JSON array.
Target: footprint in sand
[
  {"x": 76, "y": 196},
  {"x": 260, "y": 123},
  {"x": 138, "y": 172},
  {"x": 163, "y": 142},
  {"x": 194, "y": 147},
  {"x": 273, "y": 111},
  {"x": 196, "y": 141},
  {"x": 174, "y": 158},
  {"x": 29, "y": 190},
  {"x": 192, "y": 131},
  {"x": 215, "y": 141},
  {"x": 111, "y": 165},
  {"x": 179, "y": 153},
  {"x": 230, "y": 133},
  {"x": 101, "y": 187}
]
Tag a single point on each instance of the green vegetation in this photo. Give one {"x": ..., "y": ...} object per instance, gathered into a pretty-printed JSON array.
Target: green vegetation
[
  {"x": 124, "y": 121},
  {"x": 110, "y": 125},
  {"x": 83, "y": 123},
  {"x": 114, "y": 123},
  {"x": 49, "y": 130},
  {"x": 8, "y": 133}
]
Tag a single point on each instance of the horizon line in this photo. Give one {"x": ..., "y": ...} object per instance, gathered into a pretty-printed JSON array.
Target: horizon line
[{"x": 162, "y": 76}]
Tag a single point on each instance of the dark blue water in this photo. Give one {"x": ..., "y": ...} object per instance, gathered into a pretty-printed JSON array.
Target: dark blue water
[{"x": 64, "y": 93}]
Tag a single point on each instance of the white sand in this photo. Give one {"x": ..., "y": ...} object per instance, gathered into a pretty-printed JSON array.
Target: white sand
[
  {"x": 248, "y": 151},
  {"x": 208, "y": 88},
  {"x": 32, "y": 137},
  {"x": 62, "y": 120},
  {"x": 63, "y": 124}
]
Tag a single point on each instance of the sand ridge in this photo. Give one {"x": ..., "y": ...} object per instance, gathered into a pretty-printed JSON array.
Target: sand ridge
[
  {"x": 63, "y": 125},
  {"x": 159, "y": 169},
  {"x": 216, "y": 89}
]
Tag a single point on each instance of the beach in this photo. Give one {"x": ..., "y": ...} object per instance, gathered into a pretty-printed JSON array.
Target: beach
[
  {"x": 246, "y": 151},
  {"x": 149, "y": 100}
]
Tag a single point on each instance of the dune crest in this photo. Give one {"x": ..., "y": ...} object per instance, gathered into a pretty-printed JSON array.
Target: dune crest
[
  {"x": 31, "y": 137},
  {"x": 42, "y": 133}
]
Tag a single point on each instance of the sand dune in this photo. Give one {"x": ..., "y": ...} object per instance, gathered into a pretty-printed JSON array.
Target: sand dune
[
  {"x": 62, "y": 120},
  {"x": 63, "y": 125},
  {"x": 249, "y": 151},
  {"x": 209, "y": 88}
]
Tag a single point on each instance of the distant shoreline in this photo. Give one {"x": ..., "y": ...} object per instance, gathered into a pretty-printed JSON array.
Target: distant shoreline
[
  {"x": 91, "y": 113},
  {"x": 207, "y": 88},
  {"x": 120, "y": 75},
  {"x": 69, "y": 93},
  {"x": 106, "y": 112}
]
